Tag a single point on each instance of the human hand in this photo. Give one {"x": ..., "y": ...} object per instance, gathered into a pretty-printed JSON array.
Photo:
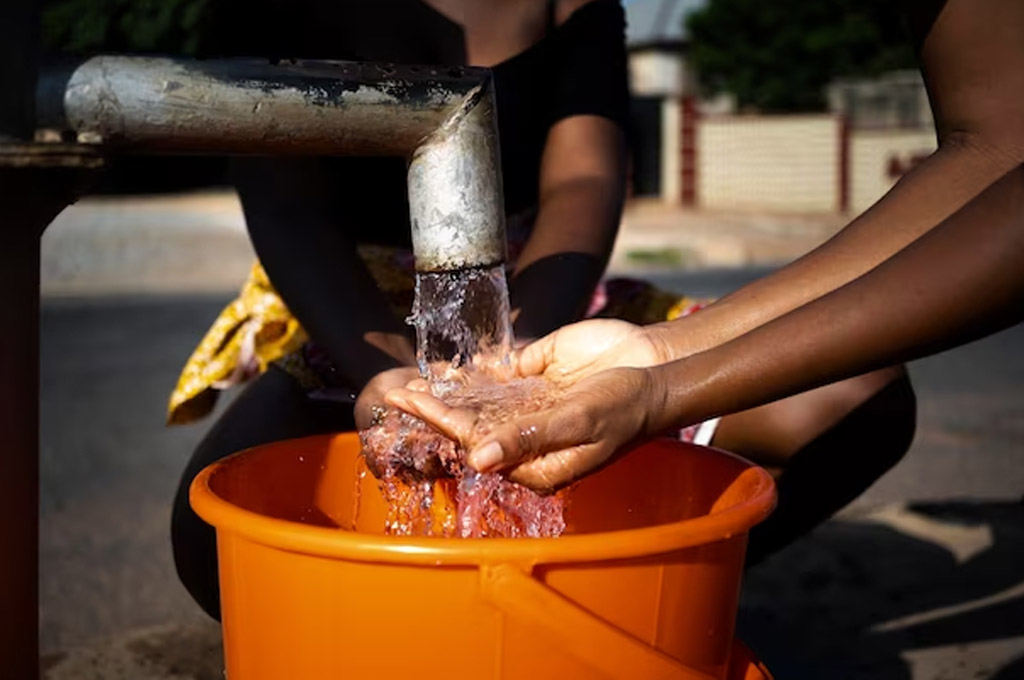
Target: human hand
[
  {"x": 582, "y": 349},
  {"x": 373, "y": 394},
  {"x": 594, "y": 418}
]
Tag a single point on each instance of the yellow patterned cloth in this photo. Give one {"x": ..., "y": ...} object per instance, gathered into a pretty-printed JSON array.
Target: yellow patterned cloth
[
  {"x": 257, "y": 330},
  {"x": 253, "y": 331}
]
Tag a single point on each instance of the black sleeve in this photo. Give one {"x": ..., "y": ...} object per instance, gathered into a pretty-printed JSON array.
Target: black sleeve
[
  {"x": 553, "y": 291},
  {"x": 591, "y": 75},
  {"x": 312, "y": 261}
]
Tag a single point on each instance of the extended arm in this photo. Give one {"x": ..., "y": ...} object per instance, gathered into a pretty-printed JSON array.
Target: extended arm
[
  {"x": 934, "y": 264},
  {"x": 960, "y": 281},
  {"x": 973, "y": 63}
]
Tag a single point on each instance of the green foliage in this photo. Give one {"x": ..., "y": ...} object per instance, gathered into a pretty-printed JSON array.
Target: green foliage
[
  {"x": 167, "y": 26},
  {"x": 778, "y": 55}
]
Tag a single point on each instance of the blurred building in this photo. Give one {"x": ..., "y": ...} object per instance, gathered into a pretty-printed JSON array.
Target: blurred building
[
  {"x": 661, "y": 81},
  {"x": 892, "y": 100},
  {"x": 698, "y": 152},
  {"x": 890, "y": 130}
]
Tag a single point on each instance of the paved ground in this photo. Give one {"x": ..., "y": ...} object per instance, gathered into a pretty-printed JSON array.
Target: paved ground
[
  {"x": 197, "y": 243},
  {"x": 921, "y": 578}
]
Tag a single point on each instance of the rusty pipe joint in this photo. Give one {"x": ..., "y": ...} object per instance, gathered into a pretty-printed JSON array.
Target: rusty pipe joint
[
  {"x": 441, "y": 119},
  {"x": 455, "y": 196}
]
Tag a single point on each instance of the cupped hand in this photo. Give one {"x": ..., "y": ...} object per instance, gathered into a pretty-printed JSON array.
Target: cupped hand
[
  {"x": 582, "y": 349},
  {"x": 373, "y": 394},
  {"x": 595, "y": 417}
]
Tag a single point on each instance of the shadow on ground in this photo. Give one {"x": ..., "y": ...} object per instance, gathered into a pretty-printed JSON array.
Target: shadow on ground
[{"x": 863, "y": 599}]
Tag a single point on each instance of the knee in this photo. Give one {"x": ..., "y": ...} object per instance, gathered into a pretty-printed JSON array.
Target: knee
[
  {"x": 877, "y": 406},
  {"x": 874, "y": 433},
  {"x": 885, "y": 394},
  {"x": 877, "y": 412},
  {"x": 851, "y": 454},
  {"x": 195, "y": 560}
]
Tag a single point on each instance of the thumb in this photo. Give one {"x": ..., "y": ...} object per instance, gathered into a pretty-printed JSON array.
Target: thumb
[{"x": 534, "y": 358}]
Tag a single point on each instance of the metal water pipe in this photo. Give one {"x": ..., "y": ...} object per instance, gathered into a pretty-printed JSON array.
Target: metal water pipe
[{"x": 442, "y": 119}]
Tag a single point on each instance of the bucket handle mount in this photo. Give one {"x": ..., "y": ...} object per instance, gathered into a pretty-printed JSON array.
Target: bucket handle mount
[{"x": 588, "y": 638}]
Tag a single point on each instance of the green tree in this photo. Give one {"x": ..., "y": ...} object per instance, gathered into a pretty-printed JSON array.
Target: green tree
[
  {"x": 778, "y": 55},
  {"x": 167, "y": 26}
]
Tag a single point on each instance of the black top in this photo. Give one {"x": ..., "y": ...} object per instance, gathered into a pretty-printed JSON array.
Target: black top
[{"x": 577, "y": 68}]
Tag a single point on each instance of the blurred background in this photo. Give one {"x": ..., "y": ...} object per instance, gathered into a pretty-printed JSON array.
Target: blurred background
[{"x": 760, "y": 129}]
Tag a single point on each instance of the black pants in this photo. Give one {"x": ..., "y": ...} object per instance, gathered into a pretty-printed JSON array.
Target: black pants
[
  {"x": 851, "y": 456},
  {"x": 272, "y": 407}
]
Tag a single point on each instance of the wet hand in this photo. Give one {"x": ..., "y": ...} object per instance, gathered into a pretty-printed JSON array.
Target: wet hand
[
  {"x": 373, "y": 394},
  {"x": 579, "y": 350},
  {"x": 595, "y": 417}
]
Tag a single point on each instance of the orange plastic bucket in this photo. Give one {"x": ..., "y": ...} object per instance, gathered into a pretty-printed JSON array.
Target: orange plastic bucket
[{"x": 644, "y": 584}]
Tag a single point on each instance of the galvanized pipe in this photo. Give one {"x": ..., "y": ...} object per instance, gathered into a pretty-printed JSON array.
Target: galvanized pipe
[
  {"x": 443, "y": 119},
  {"x": 455, "y": 197}
]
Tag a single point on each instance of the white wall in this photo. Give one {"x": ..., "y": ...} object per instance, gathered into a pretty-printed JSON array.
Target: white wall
[
  {"x": 671, "y": 149},
  {"x": 654, "y": 73},
  {"x": 773, "y": 163},
  {"x": 870, "y": 154}
]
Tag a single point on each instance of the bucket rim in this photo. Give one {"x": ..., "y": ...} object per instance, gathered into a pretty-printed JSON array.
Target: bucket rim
[{"x": 339, "y": 543}]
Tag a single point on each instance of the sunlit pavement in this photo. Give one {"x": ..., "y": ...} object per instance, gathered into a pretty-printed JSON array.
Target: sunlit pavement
[{"x": 922, "y": 578}]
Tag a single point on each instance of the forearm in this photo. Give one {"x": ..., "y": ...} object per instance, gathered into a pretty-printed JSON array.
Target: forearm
[
  {"x": 930, "y": 193},
  {"x": 961, "y": 280},
  {"x": 972, "y": 60},
  {"x": 560, "y": 267}
]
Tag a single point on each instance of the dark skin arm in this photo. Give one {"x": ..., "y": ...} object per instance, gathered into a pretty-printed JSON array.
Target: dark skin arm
[
  {"x": 973, "y": 63},
  {"x": 581, "y": 189},
  {"x": 582, "y": 176},
  {"x": 960, "y": 281},
  {"x": 581, "y": 193}
]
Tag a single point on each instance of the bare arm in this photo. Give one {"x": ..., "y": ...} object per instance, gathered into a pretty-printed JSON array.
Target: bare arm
[
  {"x": 973, "y": 63},
  {"x": 582, "y": 170},
  {"x": 960, "y": 281},
  {"x": 581, "y": 194}
]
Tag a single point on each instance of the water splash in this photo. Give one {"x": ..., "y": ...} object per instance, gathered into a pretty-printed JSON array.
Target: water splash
[
  {"x": 463, "y": 341},
  {"x": 430, "y": 489},
  {"x": 462, "y": 322}
]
